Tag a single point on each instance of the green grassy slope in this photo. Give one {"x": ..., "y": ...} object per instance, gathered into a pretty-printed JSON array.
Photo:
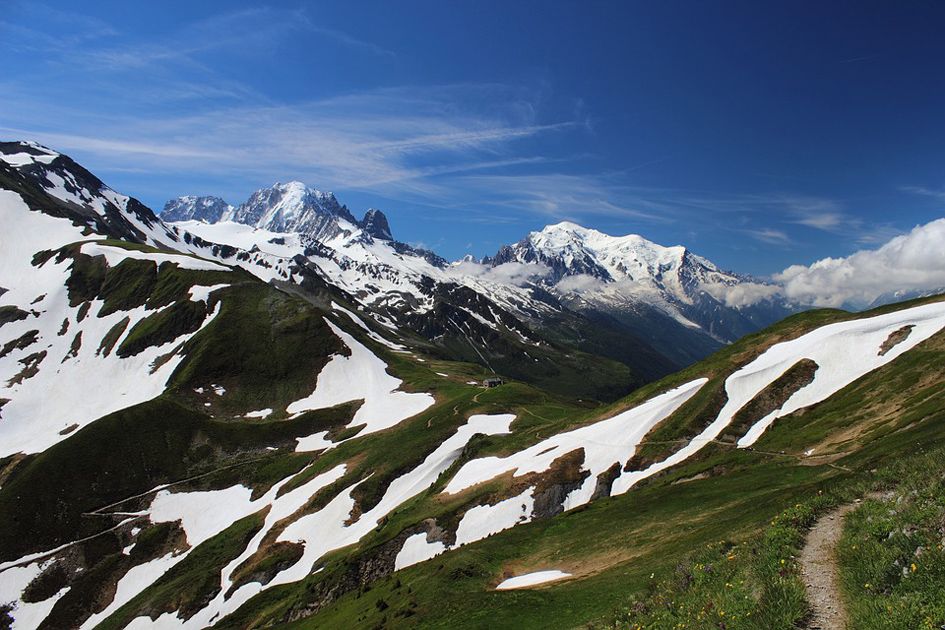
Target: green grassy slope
[
  {"x": 615, "y": 545},
  {"x": 266, "y": 348}
]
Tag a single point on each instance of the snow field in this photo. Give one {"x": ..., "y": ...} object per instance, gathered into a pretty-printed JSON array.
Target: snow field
[
  {"x": 362, "y": 375},
  {"x": 26, "y": 615},
  {"x": 87, "y": 384},
  {"x": 606, "y": 442},
  {"x": 114, "y": 255},
  {"x": 532, "y": 579},
  {"x": 320, "y": 532},
  {"x": 373, "y": 335},
  {"x": 416, "y": 549},
  {"x": 844, "y": 352}
]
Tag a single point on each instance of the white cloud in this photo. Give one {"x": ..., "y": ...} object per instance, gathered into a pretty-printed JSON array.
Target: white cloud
[
  {"x": 380, "y": 140},
  {"x": 770, "y": 235},
  {"x": 913, "y": 262},
  {"x": 741, "y": 295},
  {"x": 580, "y": 283},
  {"x": 514, "y": 273},
  {"x": 925, "y": 192},
  {"x": 564, "y": 196}
]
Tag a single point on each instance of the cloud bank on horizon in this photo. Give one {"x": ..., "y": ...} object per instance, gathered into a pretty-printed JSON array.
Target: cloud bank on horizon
[{"x": 907, "y": 265}]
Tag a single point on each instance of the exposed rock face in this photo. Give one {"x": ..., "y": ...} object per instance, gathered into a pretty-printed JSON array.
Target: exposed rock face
[
  {"x": 293, "y": 207},
  {"x": 375, "y": 224},
  {"x": 192, "y": 208}
]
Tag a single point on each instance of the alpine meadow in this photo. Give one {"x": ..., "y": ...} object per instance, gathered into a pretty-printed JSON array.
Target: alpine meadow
[{"x": 622, "y": 315}]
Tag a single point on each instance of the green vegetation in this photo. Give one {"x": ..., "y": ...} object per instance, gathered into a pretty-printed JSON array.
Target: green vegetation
[
  {"x": 705, "y": 543},
  {"x": 163, "y": 327},
  {"x": 265, "y": 347},
  {"x": 614, "y": 545},
  {"x": 134, "y": 450},
  {"x": 190, "y": 584},
  {"x": 892, "y": 554}
]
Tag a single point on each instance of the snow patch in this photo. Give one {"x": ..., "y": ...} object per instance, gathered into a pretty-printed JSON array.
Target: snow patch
[
  {"x": 483, "y": 521},
  {"x": 114, "y": 255},
  {"x": 200, "y": 293},
  {"x": 532, "y": 579},
  {"x": 416, "y": 549},
  {"x": 362, "y": 375}
]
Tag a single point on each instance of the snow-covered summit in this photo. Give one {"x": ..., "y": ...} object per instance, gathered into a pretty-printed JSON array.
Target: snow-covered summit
[
  {"x": 208, "y": 209},
  {"x": 570, "y": 250},
  {"x": 68, "y": 190},
  {"x": 294, "y": 207},
  {"x": 287, "y": 208},
  {"x": 630, "y": 272}
]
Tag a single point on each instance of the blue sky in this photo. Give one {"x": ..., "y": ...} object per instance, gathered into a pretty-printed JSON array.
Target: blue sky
[{"x": 759, "y": 134}]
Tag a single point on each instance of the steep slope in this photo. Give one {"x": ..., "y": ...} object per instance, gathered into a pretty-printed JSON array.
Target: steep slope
[
  {"x": 188, "y": 445},
  {"x": 650, "y": 307},
  {"x": 450, "y": 493},
  {"x": 357, "y": 264},
  {"x": 714, "y": 490},
  {"x": 293, "y": 207},
  {"x": 197, "y": 368},
  {"x": 514, "y": 330}
]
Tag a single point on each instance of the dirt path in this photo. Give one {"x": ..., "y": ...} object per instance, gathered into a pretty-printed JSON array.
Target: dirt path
[{"x": 819, "y": 571}]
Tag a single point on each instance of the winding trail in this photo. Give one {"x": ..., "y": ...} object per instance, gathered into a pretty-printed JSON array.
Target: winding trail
[
  {"x": 819, "y": 571},
  {"x": 819, "y": 566}
]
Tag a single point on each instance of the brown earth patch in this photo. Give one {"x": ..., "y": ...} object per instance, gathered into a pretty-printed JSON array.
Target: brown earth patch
[
  {"x": 895, "y": 338},
  {"x": 770, "y": 399}
]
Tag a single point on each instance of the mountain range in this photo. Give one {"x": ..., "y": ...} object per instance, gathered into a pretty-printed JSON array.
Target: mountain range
[
  {"x": 652, "y": 308},
  {"x": 274, "y": 414}
]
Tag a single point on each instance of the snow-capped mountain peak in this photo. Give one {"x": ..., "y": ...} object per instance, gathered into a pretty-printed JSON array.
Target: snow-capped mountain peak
[
  {"x": 294, "y": 207},
  {"x": 285, "y": 208},
  {"x": 375, "y": 224},
  {"x": 629, "y": 273},
  {"x": 70, "y": 191},
  {"x": 208, "y": 209}
]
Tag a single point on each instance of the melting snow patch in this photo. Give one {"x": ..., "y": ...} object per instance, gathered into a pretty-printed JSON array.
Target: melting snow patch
[
  {"x": 844, "y": 352},
  {"x": 605, "y": 443},
  {"x": 262, "y": 413},
  {"x": 483, "y": 521},
  {"x": 362, "y": 376},
  {"x": 200, "y": 293},
  {"x": 13, "y": 581},
  {"x": 416, "y": 549},
  {"x": 314, "y": 442},
  {"x": 325, "y": 530},
  {"x": 531, "y": 579},
  {"x": 114, "y": 255},
  {"x": 202, "y": 514},
  {"x": 137, "y": 579},
  {"x": 373, "y": 335}
]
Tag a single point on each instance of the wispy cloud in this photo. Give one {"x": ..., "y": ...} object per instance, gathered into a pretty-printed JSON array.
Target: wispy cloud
[
  {"x": 392, "y": 140},
  {"x": 561, "y": 196},
  {"x": 769, "y": 235},
  {"x": 860, "y": 59},
  {"x": 474, "y": 152},
  {"x": 938, "y": 194}
]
